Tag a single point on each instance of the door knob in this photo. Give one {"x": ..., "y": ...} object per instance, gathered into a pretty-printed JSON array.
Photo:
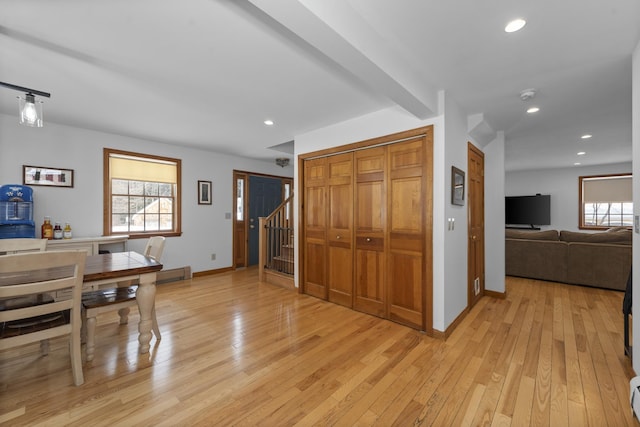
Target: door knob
[
  {"x": 338, "y": 237},
  {"x": 368, "y": 239}
]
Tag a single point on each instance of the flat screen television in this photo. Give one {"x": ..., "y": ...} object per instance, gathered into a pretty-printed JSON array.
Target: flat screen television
[{"x": 528, "y": 210}]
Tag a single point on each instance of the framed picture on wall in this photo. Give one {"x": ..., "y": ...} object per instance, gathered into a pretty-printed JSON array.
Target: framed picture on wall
[
  {"x": 52, "y": 177},
  {"x": 457, "y": 186},
  {"x": 204, "y": 193}
]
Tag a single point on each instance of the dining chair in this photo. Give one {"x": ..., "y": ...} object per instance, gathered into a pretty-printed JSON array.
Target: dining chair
[
  {"x": 21, "y": 245},
  {"x": 28, "y": 275},
  {"x": 120, "y": 298}
]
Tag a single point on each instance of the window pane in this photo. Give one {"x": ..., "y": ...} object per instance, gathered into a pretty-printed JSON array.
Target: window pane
[
  {"x": 166, "y": 222},
  {"x": 119, "y": 223},
  {"x": 240, "y": 199},
  {"x": 119, "y": 186},
  {"x": 136, "y": 205},
  {"x": 165, "y": 189},
  {"x": 166, "y": 205},
  {"x": 152, "y": 205},
  {"x": 150, "y": 188},
  {"x": 120, "y": 204},
  {"x": 151, "y": 223},
  {"x": 136, "y": 222},
  {"x": 136, "y": 187}
]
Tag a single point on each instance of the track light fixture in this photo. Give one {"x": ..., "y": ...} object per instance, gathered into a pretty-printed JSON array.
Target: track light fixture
[{"x": 29, "y": 109}]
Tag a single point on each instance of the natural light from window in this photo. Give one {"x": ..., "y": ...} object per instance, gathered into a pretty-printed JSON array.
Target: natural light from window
[
  {"x": 142, "y": 193},
  {"x": 606, "y": 201}
]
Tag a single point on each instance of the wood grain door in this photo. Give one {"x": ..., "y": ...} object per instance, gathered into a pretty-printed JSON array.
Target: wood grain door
[
  {"x": 370, "y": 231},
  {"x": 475, "y": 260},
  {"x": 315, "y": 223},
  {"x": 406, "y": 256},
  {"x": 340, "y": 228}
]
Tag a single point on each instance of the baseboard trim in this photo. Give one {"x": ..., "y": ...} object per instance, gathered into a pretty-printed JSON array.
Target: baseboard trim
[
  {"x": 440, "y": 335},
  {"x": 279, "y": 279},
  {"x": 212, "y": 272},
  {"x": 495, "y": 294}
]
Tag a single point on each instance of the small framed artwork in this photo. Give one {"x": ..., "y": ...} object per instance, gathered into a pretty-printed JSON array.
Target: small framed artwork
[
  {"x": 204, "y": 193},
  {"x": 50, "y": 177},
  {"x": 457, "y": 186}
]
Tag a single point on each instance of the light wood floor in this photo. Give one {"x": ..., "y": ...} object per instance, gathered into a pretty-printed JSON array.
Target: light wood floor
[{"x": 238, "y": 352}]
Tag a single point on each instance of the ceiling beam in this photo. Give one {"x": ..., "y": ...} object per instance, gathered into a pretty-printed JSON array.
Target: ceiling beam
[{"x": 377, "y": 67}]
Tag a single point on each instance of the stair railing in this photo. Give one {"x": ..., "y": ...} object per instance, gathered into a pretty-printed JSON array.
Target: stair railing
[{"x": 276, "y": 240}]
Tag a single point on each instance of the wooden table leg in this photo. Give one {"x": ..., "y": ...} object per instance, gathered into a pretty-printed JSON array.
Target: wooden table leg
[{"x": 145, "y": 297}]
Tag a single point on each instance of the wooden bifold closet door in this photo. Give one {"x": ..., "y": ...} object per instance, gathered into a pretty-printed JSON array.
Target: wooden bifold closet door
[{"x": 366, "y": 224}]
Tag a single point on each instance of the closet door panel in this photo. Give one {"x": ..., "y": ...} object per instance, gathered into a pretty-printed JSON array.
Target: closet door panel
[
  {"x": 315, "y": 232},
  {"x": 405, "y": 260},
  {"x": 340, "y": 229},
  {"x": 370, "y": 230}
]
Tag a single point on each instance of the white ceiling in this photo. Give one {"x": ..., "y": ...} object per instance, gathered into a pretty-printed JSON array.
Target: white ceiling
[{"x": 207, "y": 73}]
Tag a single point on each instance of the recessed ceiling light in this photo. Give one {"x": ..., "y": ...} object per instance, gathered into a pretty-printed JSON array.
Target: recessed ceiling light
[
  {"x": 581, "y": 153},
  {"x": 515, "y": 25},
  {"x": 577, "y": 164},
  {"x": 533, "y": 110},
  {"x": 586, "y": 136},
  {"x": 268, "y": 122}
]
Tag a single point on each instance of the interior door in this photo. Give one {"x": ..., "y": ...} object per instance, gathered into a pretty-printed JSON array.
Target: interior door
[
  {"x": 475, "y": 260},
  {"x": 340, "y": 230},
  {"x": 265, "y": 194}
]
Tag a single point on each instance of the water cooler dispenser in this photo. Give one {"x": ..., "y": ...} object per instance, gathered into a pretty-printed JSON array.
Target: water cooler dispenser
[{"x": 16, "y": 212}]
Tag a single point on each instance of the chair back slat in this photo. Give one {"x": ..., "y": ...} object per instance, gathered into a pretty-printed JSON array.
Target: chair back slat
[
  {"x": 35, "y": 310},
  {"x": 14, "y": 246}
]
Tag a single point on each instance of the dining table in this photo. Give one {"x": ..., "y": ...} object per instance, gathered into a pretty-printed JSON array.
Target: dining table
[{"x": 118, "y": 267}]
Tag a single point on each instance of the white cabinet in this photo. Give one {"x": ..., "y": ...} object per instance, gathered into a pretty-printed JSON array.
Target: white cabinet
[{"x": 90, "y": 244}]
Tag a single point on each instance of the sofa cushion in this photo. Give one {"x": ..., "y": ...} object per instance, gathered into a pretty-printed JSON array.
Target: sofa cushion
[
  {"x": 531, "y": 235},
  {"x": 616, "y": 229},
  {"x": 619, "y": 237}
]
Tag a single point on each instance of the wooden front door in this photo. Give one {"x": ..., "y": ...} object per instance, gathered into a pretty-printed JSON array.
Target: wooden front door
[{"x": 475, "y": 179}]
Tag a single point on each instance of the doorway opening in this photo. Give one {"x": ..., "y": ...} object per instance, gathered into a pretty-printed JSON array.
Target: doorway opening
[{"x": 255, "y": 195}]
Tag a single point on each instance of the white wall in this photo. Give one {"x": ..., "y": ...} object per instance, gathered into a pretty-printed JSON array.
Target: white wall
[
  {"x": 455, "y": 285},
  {"x": 635, "y": 108},
  {"x": 562, "y": 185},
  {"x": 205, "y": 229},
  {"x": 494, "y": 178}
]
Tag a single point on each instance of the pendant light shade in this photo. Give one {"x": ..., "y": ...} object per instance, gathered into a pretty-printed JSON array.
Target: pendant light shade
[{"x": 30, "y": 111}]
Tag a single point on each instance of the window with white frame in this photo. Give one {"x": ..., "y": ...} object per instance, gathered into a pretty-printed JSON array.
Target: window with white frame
[
  {"x": 142, "y": 194},
  {"x": 606, "y": 201}
]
